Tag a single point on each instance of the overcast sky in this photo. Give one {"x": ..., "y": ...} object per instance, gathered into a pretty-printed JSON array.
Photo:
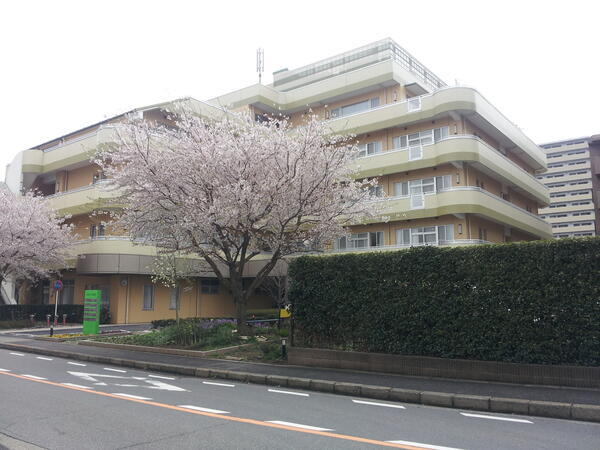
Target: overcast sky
[{"x": 65, "y": 65}]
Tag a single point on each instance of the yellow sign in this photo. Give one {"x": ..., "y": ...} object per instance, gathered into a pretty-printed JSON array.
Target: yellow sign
[{"x": 284, "y": 313}]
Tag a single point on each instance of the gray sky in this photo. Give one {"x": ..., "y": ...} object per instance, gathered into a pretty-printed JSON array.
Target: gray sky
[{"x": 65, "y": 65}]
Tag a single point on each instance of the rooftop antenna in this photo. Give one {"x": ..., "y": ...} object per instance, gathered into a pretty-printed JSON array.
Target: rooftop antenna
[{"x": 260, "y": 63}]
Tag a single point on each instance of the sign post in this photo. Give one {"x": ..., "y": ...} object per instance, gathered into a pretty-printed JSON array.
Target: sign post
[
  {"x": 58, "y": 285},
  {"x": 92, "y": 302}
]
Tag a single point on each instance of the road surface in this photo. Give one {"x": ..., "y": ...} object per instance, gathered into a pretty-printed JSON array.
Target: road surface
[{"x": 56, "y": 403}]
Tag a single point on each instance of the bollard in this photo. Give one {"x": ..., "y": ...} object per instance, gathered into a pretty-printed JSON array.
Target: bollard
[
  {"x": 283, "y": 349},
  {"x": 64, "y": 319},
  {"x": 32, "y": 319},
  {"x": 55, "y": 320},
  {"x": 48, "y": 319}
]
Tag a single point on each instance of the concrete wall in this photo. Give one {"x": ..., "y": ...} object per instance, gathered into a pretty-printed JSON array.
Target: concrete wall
[{"x": 448, "y": 368}]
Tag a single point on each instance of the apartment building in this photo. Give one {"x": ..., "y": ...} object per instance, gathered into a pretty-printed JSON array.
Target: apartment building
[
  {"x": 573, "y": 179},
  {"x": 452, "y": 170}
]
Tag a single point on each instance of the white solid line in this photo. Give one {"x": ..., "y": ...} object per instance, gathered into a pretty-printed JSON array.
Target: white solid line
[
  {"x": 76, "y": 364},
  {"x": 45, "y": 359},
  {"x": 387, "y": 405},
  {"x": 199, "y": 408},
  {"x": 34, "y": 377},
  {"x": 212, "y": 383},
  {"x": 115, "y": 370},
  {"x": 507, "y": 419},
  {"x": 158, "y": 376},
  {"x": 277, "y": 391},
  {"x": 77, "y": 385},
  {"x": 131, "y": 396},
  {"x": 17, "y": 354},
  {"x": 4, "y": 370},
  {"x": 418, "y": 444},
  {"x": 298, "y": 425}
]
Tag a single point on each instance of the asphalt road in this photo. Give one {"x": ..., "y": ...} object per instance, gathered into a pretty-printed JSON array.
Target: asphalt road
[{"x": 60, "y": 404}]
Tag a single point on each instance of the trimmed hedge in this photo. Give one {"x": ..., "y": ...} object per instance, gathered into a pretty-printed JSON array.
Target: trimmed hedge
[
  {"x": 22, "y": 312},
  {"x": 533, "y": 302}
]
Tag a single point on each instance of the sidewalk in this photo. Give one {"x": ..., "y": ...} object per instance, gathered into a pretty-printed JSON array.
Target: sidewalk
[{"x": 421, "y": 384}]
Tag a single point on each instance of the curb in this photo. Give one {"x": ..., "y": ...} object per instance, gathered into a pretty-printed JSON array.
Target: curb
[{"x": 570, "y": 411}]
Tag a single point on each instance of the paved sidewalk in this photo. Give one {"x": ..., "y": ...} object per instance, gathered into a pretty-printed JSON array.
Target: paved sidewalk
[{"x": 506, "y": 390}]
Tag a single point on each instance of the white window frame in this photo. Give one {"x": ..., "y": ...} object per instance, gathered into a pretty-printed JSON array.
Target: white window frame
[
  {"x": 174, "y": 297},
  {"x": 145, "y": 306},
  {"x": 413, "y": 104},
  {"x": 369, "y": 148}
]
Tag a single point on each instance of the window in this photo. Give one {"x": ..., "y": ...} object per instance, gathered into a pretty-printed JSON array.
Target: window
[
  {"x": 376, "y": 191},
  {"x": 361, "y": 240},
  {"x": 93, "y": 231},
  {"x": 66, "y": 295},
  {"x": 399, "y": 142},
  {"x": 148, "y": 297},
  {"x": 422, "y": 186},
  {"x": 482, "y": 234},
  {"x": 210, "y": 286},
  {"x": 355, "y": 108},
  {"x": 174, "y": 302},
  {"x": 97, "y": 231},
  {"x": 370, "y": 148},
  {"x": 425, "y": 235},
  {"x": 443, "y": 182},
  {"x": 421, "y": 138},
  {"x": 440, "y": 133},
  {"x": 401, "y": 189}
]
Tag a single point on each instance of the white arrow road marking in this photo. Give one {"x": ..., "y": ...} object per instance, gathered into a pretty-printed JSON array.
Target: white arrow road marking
[
  {"x": 199, "y": 408},
  {"x": 101, "y": 384},
  {"x": 418, "y": 444},
  {"x": 298, "y": 425},
  {"x": 77, "y": 385},
  {"x": 34, "y": 377},
  {"x": 507, "y": 419},
  {"x": 45, "y": 359},
  {"x": 387, "y": 405},
  {"x": 115, "y": 370},
  {"x": 153, "y": 384},
  {"x": 17, "y": 354},
  {"x": 277, "y": 391},
  {"x": 4, "y": 370},
  {"x": 76, "y": 364},
  {"x": 131, "y": 396}
]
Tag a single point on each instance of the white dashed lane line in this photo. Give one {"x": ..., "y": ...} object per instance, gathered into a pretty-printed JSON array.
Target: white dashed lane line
[
  {"x": 387, "y": 405},
  {"x": 161, "y": 377},
  {"x": 419, "y": 444},
  {"x": 76, "y": 385},
  {"x": 505, "y": 419},
  {"x": 76, "y": 364},
  {"x": 137, "y": 397},
  {"x": 16, "y": 354},
  {"x": 34, "y": 377},
  {"x": 299, "y": 425},
  {"x": 44, "y": 358},
  {"x": 277, "y": 391},
  {"x": 212, "y": 383},
  {"x": 200, "y": 408},
  {"x": 115, "y": 370},
  {"x": 4, "y": 370}
]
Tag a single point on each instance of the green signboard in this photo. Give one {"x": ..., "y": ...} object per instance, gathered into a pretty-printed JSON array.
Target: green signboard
[{"x": 92, "y": 303}]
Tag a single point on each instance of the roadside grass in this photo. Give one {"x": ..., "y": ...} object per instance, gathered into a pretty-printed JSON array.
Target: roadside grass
[{"x": 9, "y": 324}]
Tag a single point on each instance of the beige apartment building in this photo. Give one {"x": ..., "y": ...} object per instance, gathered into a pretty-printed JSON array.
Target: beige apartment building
[
  {"x": 573, "y": 179},
  {"x": 452, "y": 170}
]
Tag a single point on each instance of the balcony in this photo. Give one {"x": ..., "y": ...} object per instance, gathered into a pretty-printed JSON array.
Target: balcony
[
  {"x": 569, "y": 188},
  {"x": 465, "y": 200},
  {"x": 81, "y": 200},
  {"x": 453, "y": 243},
  {"x": 457, "y": 148},
  {"x": 580, "y": 164},
  {"x": 466, "y": 101}
]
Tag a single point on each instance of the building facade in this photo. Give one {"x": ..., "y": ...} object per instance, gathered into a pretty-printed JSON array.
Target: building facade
[
  {"x": 452, "y": 170},
  {"x": 573, "y": 179}
]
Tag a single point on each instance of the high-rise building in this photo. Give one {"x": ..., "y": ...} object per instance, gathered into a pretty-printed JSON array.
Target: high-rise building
[
  {"x": 573, "y": 178},
  {"x": 452, "y": 170}
]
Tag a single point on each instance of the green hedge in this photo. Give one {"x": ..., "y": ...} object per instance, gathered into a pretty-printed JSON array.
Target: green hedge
[{"x": 534, "y": 302}]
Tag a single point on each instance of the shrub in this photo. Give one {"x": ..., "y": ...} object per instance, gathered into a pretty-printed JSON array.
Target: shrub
[{"x": 535, "y": 302}]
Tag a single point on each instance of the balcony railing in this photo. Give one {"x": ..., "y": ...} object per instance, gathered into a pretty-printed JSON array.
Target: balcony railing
[
  {"x": 64, "y": 142},
  {"x": 454, "y": 242},
  {"x": 79, "y": 189}
]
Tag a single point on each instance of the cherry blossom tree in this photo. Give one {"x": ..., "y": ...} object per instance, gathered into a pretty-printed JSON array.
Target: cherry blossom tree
[
  {"x": 34, "y": 240},
  {"x": 231, "y": 190}
]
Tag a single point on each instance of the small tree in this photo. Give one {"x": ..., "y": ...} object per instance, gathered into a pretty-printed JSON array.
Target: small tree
[
  {"x": 232, "y": 189},
  {"x": 34, "y": 240}
]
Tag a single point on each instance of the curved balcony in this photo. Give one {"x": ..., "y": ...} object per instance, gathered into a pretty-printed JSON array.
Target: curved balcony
[
  {"x": 467, "y": 200},
  {"x": 81, "y": 200},
  {"x": 464, "y": 100},
  {"x": 453, "y": 243},
  {"x": 465, "y": 148}
]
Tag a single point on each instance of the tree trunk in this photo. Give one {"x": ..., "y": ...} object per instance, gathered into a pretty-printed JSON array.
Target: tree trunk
[{"x": 240, "y": 311}]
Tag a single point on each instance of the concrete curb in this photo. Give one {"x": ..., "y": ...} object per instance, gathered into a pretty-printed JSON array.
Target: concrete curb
[
  {"x": 571, "y": 411},
  {"x": 164, "y": 351}
]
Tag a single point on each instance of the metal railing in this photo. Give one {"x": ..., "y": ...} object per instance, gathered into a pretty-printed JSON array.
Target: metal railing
[
  {"x": 454, "y": 242},
  {"x": 79, "y": 189}
]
